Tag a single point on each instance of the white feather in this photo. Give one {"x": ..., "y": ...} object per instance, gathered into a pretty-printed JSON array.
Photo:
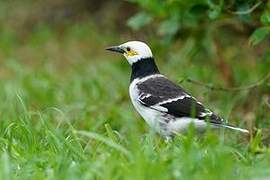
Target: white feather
[
  {"x": 151, "y": 116},
  {"x": 236, "y": 128},
  {"x": 174, "y": 99}
]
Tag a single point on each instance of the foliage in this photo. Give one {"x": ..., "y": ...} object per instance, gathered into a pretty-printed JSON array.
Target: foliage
[{"x": 176, "y": 17}]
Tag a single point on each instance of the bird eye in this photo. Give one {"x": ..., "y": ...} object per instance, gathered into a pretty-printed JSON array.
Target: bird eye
[{"x": 128, "y": 48}]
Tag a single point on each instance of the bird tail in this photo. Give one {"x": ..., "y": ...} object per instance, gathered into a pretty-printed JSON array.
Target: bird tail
[{"x": 236, "y": 128}]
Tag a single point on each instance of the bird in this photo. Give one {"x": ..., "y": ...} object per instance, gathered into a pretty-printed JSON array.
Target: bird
[{"x": 165, "y": 106}]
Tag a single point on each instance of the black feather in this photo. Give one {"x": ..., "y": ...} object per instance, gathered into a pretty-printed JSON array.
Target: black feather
[
  {"x": 158, "y": 91},
  {"x": 143, "y": 67}
]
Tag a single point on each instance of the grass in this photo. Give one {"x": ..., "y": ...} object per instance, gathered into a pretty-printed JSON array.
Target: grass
[{"x": 66, "y": 114}]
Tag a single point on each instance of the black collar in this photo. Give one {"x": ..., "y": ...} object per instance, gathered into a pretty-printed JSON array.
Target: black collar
[{"x": 143, "y": 67}]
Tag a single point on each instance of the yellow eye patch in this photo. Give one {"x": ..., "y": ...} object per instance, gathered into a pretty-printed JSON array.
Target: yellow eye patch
[{"x": 131, "y": 53}]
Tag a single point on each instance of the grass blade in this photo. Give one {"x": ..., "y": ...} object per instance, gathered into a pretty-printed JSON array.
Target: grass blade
[{"x": 106, "y": 141}]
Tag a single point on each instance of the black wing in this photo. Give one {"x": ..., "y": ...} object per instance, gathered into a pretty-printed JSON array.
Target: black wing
[{"x": 161, "y": 94}]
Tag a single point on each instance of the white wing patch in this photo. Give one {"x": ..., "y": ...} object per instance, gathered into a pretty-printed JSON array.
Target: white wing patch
[
  {"x": 203, "y": 114},
  {"x": 174, "y": 99},
  {"x": 159, "y": 108},
  {"x": 143, "y": 96}
]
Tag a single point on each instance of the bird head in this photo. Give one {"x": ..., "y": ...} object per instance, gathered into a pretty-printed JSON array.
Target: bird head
[{"x": 133, "y": 51}]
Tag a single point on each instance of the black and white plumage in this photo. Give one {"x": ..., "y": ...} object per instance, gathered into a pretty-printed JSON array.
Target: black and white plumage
[{"x": 165, "y": 106}]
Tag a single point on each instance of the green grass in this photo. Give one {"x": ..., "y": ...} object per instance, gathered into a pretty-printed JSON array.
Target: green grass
[{"x": 65, "y": 112}]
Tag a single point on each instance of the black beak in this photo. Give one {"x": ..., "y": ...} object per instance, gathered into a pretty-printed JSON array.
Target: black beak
[{"x": 116, "y": 49}]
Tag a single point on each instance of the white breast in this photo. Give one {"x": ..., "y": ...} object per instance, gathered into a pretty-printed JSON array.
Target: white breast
[{"x": 149, "y": 115}]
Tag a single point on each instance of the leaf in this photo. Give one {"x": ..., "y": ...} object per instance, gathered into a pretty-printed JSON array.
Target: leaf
[
  {"x": 215, "y": 9},
  {"x": 139, "y": 20},
  {"x": 259, "y": 35},
  {"x": 255, "y": 142},
  {"x": 265, "y": 18},
  {"x": 169, "y": 26}
]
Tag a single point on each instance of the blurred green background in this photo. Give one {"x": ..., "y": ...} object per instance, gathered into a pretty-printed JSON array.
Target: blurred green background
[{"x": 65, "y": 111}]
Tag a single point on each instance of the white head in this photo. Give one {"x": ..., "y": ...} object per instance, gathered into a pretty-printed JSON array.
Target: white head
[{"x": 133, "y": 51}]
